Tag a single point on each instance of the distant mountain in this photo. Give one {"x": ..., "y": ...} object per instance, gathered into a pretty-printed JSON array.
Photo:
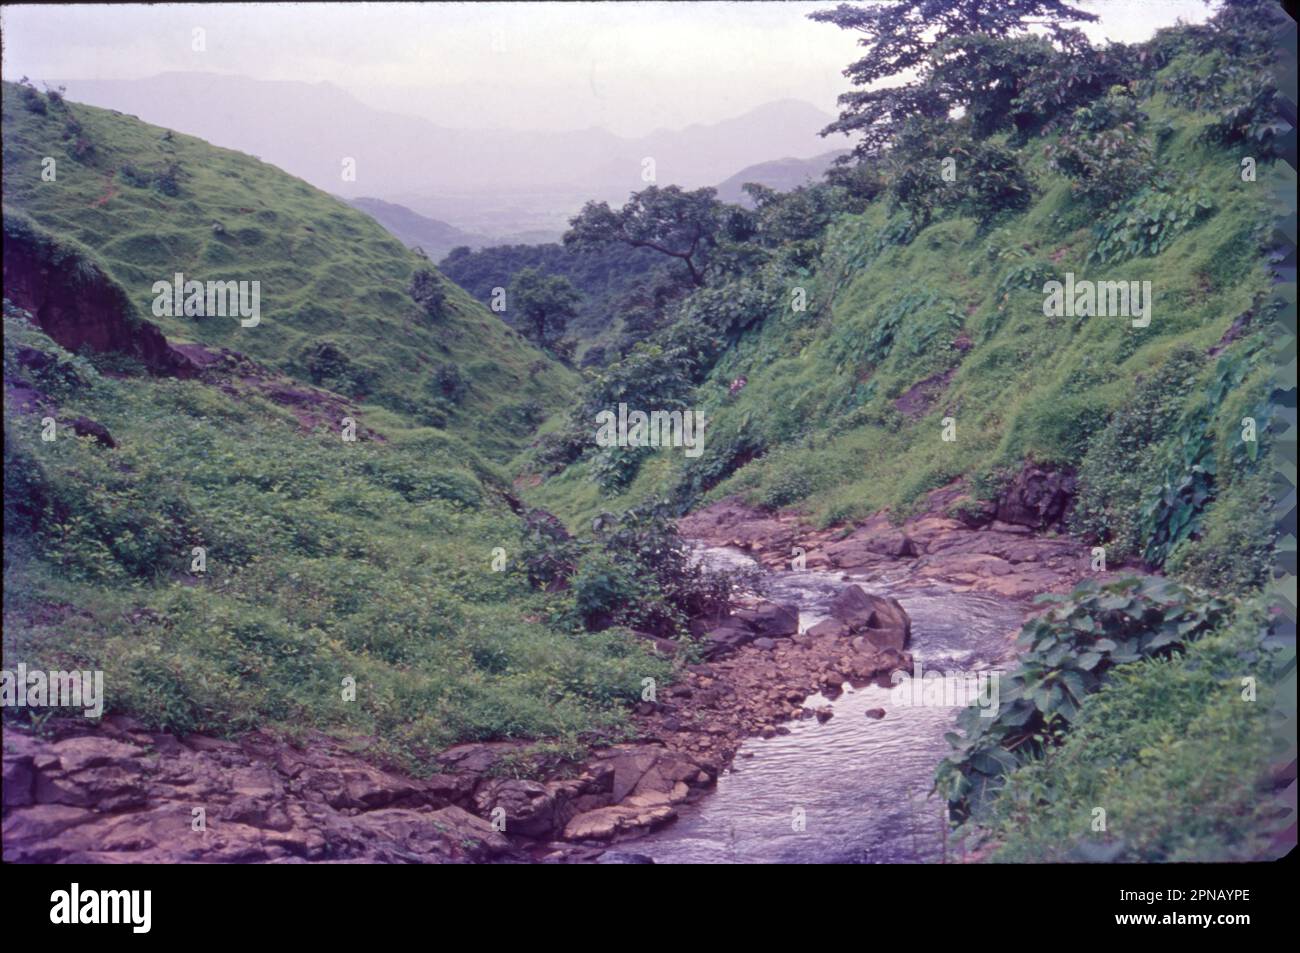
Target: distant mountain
[
  {"x": 414, "y": 230},
  {"x": 311, "y": 129},
  {"x": 780, "y": 174}
]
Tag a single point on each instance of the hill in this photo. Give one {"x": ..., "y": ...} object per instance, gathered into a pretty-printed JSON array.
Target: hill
[
  {"x": 184, "y": 509},
  {"x": 334, "y": 284},
  {"x": 896, "y": 344},
  {"x": 414, "y": 230},
  {"x": 306, "y": 127},
  {"x": 779, "y": 174}
]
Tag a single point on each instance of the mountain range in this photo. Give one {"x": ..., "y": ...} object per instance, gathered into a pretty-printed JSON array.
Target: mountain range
[{"x": 496, "y": 182}]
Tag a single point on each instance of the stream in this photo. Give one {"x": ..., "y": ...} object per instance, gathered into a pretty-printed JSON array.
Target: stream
[{"x": 862, "y": 784}]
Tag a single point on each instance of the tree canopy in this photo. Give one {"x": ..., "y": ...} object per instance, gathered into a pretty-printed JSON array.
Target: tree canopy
[
  {"x": 899, "y": 35},
  {"x": 672, "y": 221}
]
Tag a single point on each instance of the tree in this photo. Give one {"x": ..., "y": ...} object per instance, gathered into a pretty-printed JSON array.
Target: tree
[
  {"x": 898, "y": 36},
  {"x": 542, "y": 306},
  {"x": 680, "y": 224}
]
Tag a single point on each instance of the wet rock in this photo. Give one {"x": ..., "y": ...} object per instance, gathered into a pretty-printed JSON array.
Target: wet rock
[
  {"x": 770, "y": 619},
  {"x": 623, "y": 857},
  {"x": 1037, "y": 497},
  {"x": 867, "y": 544},
  {"x": 529, "y": 807},
  {"x": 882, "y": 620},
  {"x": 829, "y": 629},
  {"x": 726, "y": 638},
  {"x": 876, "y": 713},
  {"x": 607, "y": 823},
  {"x": 825, "y": 714},
  {"x": 852, "y": 607}
]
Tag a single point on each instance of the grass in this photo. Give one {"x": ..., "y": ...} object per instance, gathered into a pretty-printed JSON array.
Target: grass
[
  {"x": 324, "y": 561},
  {"x": 829, "y": 424},
  {"x": 1165, "y": 750},
  {"x": 326, "y": 270},
  {"x": 822, "y": 388}
]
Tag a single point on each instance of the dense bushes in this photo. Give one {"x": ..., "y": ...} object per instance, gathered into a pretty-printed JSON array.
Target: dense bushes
[
  {"x": 1104, "y": 151},
  {"x": 634, "y": 570},
  {"x": 1168, "y": 750},
  {"x": 427, "y": 292},
  {"x": 1066, "y": 655}
]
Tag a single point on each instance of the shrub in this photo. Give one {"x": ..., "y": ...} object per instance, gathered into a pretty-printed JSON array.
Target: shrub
[
  {"x": 167, "y": 181},
  {"x": 330, "y": 366},
  {"x": 1067, "y": 653},
  {"x": 787, "y": 487},
  {"x": 1149, "y": 223},
  {"x": 32, "y": 99},
  {"x": 1104, "y": 152},
  {"x": 1126, "y": 459},
  {"x": 1171, "y": 749},
  {"x": 427, "y": 292},
  {"x": 448, "y": 381}
]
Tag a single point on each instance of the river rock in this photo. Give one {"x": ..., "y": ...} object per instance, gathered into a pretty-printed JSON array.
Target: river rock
[
  {"x": 529, "y": 807},
  {"x": 771, "y": 619},
  {"x": 868, "y": 544},
  {"x": 829, "y": 629},
  {"x": 882, "y": 620},
  {"x": 726, "y": 638},
  {"x": 607, "y": 823}
]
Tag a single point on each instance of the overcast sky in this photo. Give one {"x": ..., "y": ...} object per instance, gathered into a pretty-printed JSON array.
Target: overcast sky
[{"x": 629, "y": 67}]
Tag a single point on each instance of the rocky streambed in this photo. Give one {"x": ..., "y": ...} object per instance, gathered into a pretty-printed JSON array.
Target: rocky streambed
[
  {"x": 851, "y": 783},
  {"x": 783, "y": 744}
]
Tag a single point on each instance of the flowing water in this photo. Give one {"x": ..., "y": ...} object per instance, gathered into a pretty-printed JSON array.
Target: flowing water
[{"x": 861, "y": 783}]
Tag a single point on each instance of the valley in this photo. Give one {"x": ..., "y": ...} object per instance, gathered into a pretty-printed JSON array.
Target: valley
[{"x": 502, "y": 505}]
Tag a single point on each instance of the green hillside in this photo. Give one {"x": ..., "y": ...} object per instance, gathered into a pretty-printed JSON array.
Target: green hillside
[
  {"x": 927, "y": 355},
  {"x": 910, "y": 322},
  {"x": 150, "y": 203},
  {"x": 323, "y": 560}
]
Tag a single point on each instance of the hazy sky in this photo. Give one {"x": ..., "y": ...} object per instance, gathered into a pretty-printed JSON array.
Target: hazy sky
[{"x": 629, "y": 67}]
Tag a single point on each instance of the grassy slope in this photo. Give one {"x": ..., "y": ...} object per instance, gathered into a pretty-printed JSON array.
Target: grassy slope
[
  {"x": 820, "y": 401},
  {"x": 325, "y": 560},
  {"x": 1094, "y": 394},
  {"x": 326, "y": 270}
]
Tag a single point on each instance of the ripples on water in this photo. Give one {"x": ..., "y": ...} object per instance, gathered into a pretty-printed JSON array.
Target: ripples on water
[{"x": 862, "y": 784}]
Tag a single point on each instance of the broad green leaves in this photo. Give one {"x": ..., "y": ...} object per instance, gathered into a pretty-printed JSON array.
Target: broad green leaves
[{"x": 1068, "y": 651}]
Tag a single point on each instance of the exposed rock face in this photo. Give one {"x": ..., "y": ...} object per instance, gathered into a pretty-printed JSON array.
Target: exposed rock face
[
  {"x": 1038, "y": 498},
  {"x": 956, "y": 540},
  {"x": 121, "y": 794},
  {"x": 732, "y": 523},
  {"x": 118, "y": 793},
  {"x": 86, "y": 309}
]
